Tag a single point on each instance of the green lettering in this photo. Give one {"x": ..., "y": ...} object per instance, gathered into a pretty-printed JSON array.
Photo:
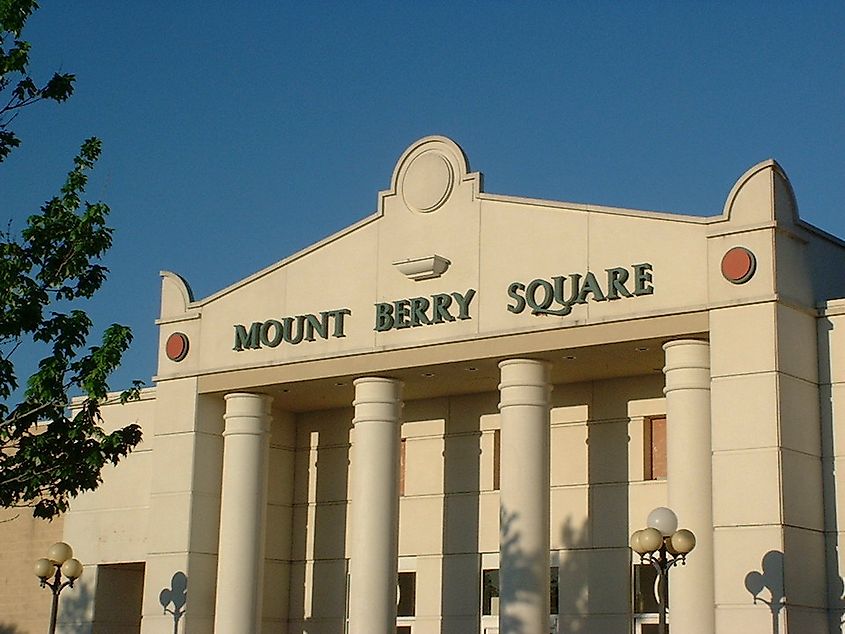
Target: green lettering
[
  {"x": 418, "y": 307},
  {"x": 320, "y": 325},
  {"x": 276, "y": 339},
  {"x": 565, "y": 303},
  {"x": 464, "y": 302},
  {"x": 513, "y": 293},
  {"x": 531, "y": 296},
  {"x": 244, "y": 339},
  {"x": 384, "y": 317},
  {"x": 643, "y": 279},
  {"x": 616, "y": 278},
  {"x": 300, "y": 327},
  {"x": 403, "y": 313},
  {"x": 591, "y": 285},
  {"x": 442, "y": 301},
  {"x": 338, "y": 321}
]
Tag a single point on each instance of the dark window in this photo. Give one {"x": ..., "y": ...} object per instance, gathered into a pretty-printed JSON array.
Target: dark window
[
  {"x": 645, "y": 589},
  {"x": 490, "y": 592},
  {"x": 403, "y": 629},
  {"x": 407, "y": 600}
]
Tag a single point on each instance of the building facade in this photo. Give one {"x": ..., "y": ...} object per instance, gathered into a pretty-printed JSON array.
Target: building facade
[{"x": 451, "y": 416}]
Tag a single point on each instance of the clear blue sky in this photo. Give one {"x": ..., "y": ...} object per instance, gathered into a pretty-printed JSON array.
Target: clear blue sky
[{"x": 238, "y": 133}]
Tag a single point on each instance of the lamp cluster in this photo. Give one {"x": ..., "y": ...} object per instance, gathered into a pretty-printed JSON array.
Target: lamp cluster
[
  {"x": 662, "y": 545},
  {"x": 662, "y": 532},
  {"x": 59, "y": 561}
]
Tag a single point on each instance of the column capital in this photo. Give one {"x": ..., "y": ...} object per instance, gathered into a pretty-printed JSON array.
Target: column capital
[
  {"x": 524, "y": 382},
  {"x": 247, "y": 413},
  {"x": 377, "y": 400},
  {"x": 687, "y": 365}
]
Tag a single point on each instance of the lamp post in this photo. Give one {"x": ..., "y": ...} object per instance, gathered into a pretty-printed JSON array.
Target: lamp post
[
  {"x": 59, "y": 561},
  {"x": 662, "y": 545}
]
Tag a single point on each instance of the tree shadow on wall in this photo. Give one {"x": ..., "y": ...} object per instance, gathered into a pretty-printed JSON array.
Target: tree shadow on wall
[
  {"x": 76, "y": 609},
  {"x": 518, "y": 570},
  {"x": 574, "y": 576},
  {"x": 769, "y": 578}
]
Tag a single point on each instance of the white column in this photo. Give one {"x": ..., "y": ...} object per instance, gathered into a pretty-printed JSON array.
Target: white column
[
  {"x": 689, "y": 481},
  {"x": 524, "y": 497},
  {"x": 240, "y": 561},
  {"x": 374, "y": 512}
]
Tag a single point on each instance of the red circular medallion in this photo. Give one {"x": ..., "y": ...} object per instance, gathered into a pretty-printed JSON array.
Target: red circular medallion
[
  {"x": 738, "y": 265},
  {"x": 176, "y": 347}
]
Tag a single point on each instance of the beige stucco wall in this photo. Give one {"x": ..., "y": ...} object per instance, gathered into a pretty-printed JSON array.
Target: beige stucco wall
[{"x": 24, "y": 607}]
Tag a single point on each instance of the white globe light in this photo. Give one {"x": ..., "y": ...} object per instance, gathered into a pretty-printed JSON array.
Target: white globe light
[
  {"x": 664, "y": 520},
  {"x": 59, "y": 553}
]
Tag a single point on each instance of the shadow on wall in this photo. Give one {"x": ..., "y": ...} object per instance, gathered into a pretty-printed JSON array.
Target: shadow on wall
[
  {"x": 519, "y": 567},
  {"x": 769, "y": 578},
  {"x": 574, "y": 576},
  {"x": 9, "y": 629},
  {"x": 835, "y": 589},
  {"x": 318, "y": 575},
  {"x": 461, "y": 563},
  {"x": 177, "y": 595},
  {"x": 76, "y": 608},
  {"x": 836, "y": 607}
]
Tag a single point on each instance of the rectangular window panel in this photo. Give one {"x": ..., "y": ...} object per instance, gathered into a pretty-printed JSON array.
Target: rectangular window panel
[
  {"x": 497, "y": 458},
  {"x": 490, "y": 592},
  {"x": 402, "y": 450},
  {"x": 654, "y": 449},
  {"x": 645, "y": 589},
  {"x": 407, "y": 594}
]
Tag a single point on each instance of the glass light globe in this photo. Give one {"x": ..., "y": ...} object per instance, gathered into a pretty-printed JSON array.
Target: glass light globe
[
  {"x": 650, "y": 540},
  {"x": 72, "y": 569},
  {"x": 664, "y": 520},
  {"x": 683, "y": 541},
  {"x": 44, "y": 568},
  {"x": 635, "y": 543},
  {"x": 59, "y": 553}
]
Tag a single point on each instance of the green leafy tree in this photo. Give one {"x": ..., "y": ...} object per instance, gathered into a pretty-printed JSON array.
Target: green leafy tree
[{"x": 49, "y": 451}]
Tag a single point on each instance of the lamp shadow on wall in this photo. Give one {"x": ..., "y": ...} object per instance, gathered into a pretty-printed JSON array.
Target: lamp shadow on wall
[
  {"x": 769, "y": 578},
  {"x": 176, "y": 595}
]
